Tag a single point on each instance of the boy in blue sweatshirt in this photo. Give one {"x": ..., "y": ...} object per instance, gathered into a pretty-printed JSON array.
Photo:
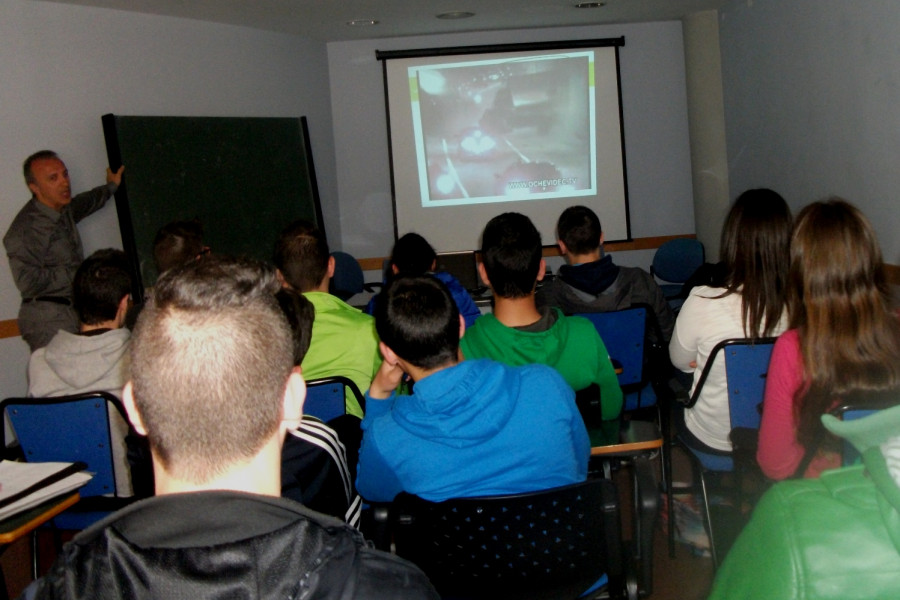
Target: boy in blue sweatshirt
[{"x": 470, "y": 428}]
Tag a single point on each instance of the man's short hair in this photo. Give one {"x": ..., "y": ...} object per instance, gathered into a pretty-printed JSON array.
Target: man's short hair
[
  {"x": 417, "y": 318},
  {"x": 210, "y": 359},
  {"x": 39, "y": 155},
  {"x": 176, "y": 243},
  {"x": 300, "y": 314},
  {"x": 100, "y": 283},
  {"x": 412, "y": 255},
  {"x": 301, "y": 254},
  {"x": 511, "y": 253},
  {"x": 579, "y": 229}
]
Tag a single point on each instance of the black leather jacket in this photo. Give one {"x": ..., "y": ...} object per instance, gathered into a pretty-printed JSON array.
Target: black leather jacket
[{"x": 226, "y": 545}]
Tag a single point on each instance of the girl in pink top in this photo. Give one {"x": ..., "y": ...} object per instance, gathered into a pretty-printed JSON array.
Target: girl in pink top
[{"x": 844, "y": 339}]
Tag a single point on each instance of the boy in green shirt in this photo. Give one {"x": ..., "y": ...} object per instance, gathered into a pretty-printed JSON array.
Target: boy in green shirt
[
  {"x": 344, "y": 341},
  {"x": 518, "y": 333}
]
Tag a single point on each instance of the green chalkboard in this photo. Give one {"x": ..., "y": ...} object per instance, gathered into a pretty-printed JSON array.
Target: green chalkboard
[{"x": 244, "y": 178}]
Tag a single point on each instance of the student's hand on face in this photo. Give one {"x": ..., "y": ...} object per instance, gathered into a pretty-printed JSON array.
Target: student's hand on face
[{"x": 386, "y": 380}]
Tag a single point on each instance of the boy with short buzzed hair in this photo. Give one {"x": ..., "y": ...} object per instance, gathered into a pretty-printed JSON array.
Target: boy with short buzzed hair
[
  {"x": 214, "y": 387},
  {"x": 518, "y": 333}
]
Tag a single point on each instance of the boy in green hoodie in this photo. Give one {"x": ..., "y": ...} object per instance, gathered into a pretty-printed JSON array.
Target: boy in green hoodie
[{"x": 518, "y": 333}]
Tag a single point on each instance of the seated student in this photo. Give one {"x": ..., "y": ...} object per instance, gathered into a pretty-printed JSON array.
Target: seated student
[
  {"x": 176, "y": 243},
  {"x": 314, "y": 467},
  {"x": 844, "y": 339},
  {"x": 95, "y": 358},
  {"x": 215, "y": 389},
  {"x": 413, "y": 255},
  {"x": 830, "y": 538},
  {"x": 751, "y": 303},
  {"x": 470, "y": 428},
  {"x": 590, "y": 282},
  {"x": 517, "y": 333},
  {"x": 343, "y": 338}
]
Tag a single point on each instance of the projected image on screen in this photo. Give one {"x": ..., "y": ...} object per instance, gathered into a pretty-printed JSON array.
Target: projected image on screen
[
  {"x": 504, "y": 130},
  {"x": 482, "y": 130}
]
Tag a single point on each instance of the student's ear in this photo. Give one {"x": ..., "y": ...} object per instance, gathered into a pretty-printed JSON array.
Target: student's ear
[
  {"x": 483, "y": 274},
  {"x": 394, "y": 269},
  {"x": 294, "y": 397},
  {"x": 330, "y": 267},
  {"x": 122, "y": 311},
  {"x": 562, "y": 247},
  {"x": 280, "y": 276},
  {"x": 131, "y": 410},
  {"x": 602, "y": 238},
  {"x": 542, "y": 270},
  {"x": 389, "y": 356},
  {"x": 462, "y": 326}
]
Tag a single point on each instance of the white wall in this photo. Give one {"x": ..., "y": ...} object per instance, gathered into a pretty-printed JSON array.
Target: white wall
[
  {"x": 655, "y": 121},
  {"x": 812, "y": 103},
  {"x": 62, "y": 67}
]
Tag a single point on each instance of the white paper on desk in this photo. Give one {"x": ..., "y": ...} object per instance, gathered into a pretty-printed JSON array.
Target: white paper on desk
[{"x": 16, "y": 476}]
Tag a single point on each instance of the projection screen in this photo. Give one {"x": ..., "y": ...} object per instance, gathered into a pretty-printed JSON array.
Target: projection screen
[{"x": 478, "y": 131}]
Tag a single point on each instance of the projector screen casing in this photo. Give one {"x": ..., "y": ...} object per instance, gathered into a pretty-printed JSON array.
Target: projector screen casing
[{"x": 520, "y": 91}]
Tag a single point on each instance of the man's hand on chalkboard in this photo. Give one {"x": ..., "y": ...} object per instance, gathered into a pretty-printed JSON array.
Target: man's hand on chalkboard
[{"x": 116, "y": 177}]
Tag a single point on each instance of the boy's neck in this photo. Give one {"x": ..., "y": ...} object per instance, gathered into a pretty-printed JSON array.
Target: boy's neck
[
  {"x": 588, "y": 257},
  {"x": 516, "y": 312}
]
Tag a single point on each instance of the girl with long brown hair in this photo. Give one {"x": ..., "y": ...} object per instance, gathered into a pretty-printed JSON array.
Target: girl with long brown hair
[
  {"x": 750, "y": 303},
  {"x": 844, "y": 340}
]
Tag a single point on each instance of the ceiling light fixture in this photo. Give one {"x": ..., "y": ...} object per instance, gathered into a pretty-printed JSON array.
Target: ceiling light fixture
[
  {"x": 456, "y": 14},
  {"x": 362, "y": 22},
  {"x": 590, "y": 5}
]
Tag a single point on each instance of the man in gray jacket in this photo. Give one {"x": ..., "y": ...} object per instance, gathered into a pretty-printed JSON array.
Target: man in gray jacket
[{"x": 44, "y": 247}]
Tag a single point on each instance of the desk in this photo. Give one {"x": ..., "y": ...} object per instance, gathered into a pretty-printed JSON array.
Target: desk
[
  {"x": 638, "y": 442},
  {"x": 635, "y": 437},
  {"x": 27, "y": 521}
]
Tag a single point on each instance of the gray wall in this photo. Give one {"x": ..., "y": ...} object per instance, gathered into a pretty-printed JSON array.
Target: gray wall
[
  {"x": 62, "y": 67},
  {"x": 812, "y": 103},
  {"x": 655, "y": 111}
]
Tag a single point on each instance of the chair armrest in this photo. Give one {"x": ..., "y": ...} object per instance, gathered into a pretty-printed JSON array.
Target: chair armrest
[
  {"x": 679, "y": 393},
  {"x": 376, "y": 524}
]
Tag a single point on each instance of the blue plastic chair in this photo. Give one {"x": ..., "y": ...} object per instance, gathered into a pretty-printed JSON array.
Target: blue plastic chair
[
  {"x": 673, "y": 263},
  {"x": 326, "y": 397},
  {"x": 624, "y": 334},
  {"x": 348, "y": 277},
  {"x": 69, "y": 429},
  {"x": 858, "y": 408},
  {"x": 746, "y": 367}
]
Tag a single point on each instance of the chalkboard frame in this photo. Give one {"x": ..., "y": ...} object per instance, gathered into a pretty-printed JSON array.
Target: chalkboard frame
[{"x": 132, "y": 208}]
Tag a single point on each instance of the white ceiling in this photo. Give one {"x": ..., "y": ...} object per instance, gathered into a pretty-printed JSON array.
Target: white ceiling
[{"x": 327, "y": 19}]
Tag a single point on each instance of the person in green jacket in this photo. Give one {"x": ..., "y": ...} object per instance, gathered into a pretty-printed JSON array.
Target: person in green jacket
[
  {"x": 835, "y": 537},
  {"x": 518, "y": 333},
  {"x": 344, "y": 341}
]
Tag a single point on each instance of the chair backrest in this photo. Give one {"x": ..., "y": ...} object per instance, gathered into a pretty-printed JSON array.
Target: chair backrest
[
  {"x": 860, "y": 406},
  {"x": 68, "y": 429},
  {"x": 746, "y": 369},
  {"x": 549, "y": 544},
  {"x": 326, "y": 397},
  {"x": 623, "y": 334},
  {"x": 676, "y": 260},
  {"x": 749, "y": 380},
  {"x": 348, "y": 277}
]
